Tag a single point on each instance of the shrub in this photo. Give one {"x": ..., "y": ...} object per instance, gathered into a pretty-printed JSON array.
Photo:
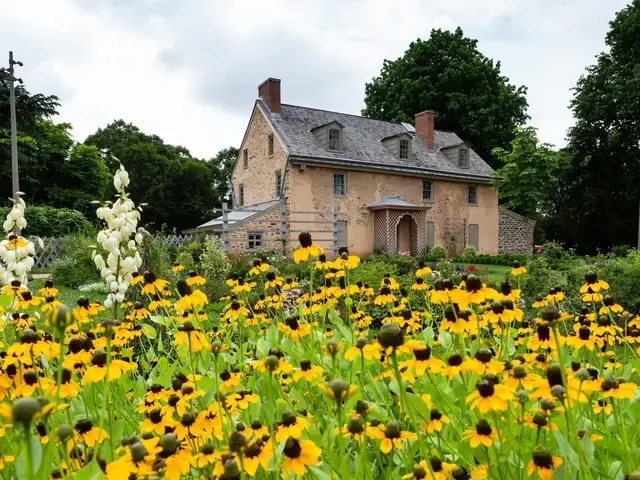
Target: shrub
[
  {"x": 621, "y": 250},
  {"x": 437, "y": 253},
  {"x": 155, "y": 258},
  {"x": 214, "y": 261},
  {"x": 48, "y": 221},
  {"x": 186, "y": 260},
  {"x": 469, "y": 252},
  {"x": 74, "y": 266},
  {"x": 195, "y": 249},
  {"x": 540, "y": 279}
]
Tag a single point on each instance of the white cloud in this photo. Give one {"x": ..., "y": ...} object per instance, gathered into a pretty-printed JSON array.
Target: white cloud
[{"x": 188, "y": 71}]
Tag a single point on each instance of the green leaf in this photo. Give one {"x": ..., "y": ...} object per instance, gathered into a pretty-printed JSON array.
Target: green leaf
[
  {"x": 160, "y": 320},
  {"x": 149, "y": 331},
  {"x": 90, "y": 472},
  {"x": 319, "y": 474},
  {"x": 418, "y": 407},
  {"x": 5, "y": 300},
  {"x": 36, "y": 458}
]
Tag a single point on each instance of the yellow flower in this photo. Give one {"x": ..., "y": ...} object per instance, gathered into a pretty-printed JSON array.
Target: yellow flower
[
  {"x": 517, "y": 269},
  {"x": 612, "y": 388},
  {"x": 299, "y": 454},
  {"x": 482, "y": 435},
  {"x": 392, "y": 436},
  {"x": 307, "y": 371},
  {"x": 307, "y": 249},
  {"x": 543, "y": 464},
  {"x": 489, "y": 397}
]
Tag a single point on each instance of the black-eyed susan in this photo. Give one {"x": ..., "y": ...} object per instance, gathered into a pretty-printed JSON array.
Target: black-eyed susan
[
  {"x": 518, "y": 269},
  {"x": 273, "y": 281},
  {"x": 370, "y": 351},
  {"x": 483, "y": 434},
  {"x": 89, "y": 434},
  {"x": 613, "y": 388},
  {"x": 582, "y": 340},
  {"x": 48, "y": 290},
  {"x": 291, "y": 425},
  {"x": 136, "y": 278},
  {"x": 602, "y": 407},
  {"x": 191, "y": 337},
  {"x": 385, "y": 297},
  {"x": 437, "y": 421},
  {"x": 257, "y": 453},
  {"x": 338, "y": 390},
  {"x": 477, "y": 292},
  {"x": 483, "y": 362},
  {"x": 539, "y": 302},
  {"x": 423, "y": 270},
  {"x": 194, "y": 279},
  {"x": 593, "y": 283},
  {"x": 490, "y": 397},
  {"x": 258, "y": 267},
  {"x": 177, "y": 267},
  {"x": 26, "y": 300},
  {"x": 299, "y": 454},
  {"x": 139, "y": 312},
  {"x": 293, "y": 329},
  {"x": 420, "y": 285},
  {"x": 392, "y": 436},
  {"x": 422, "y": 360},
  {"x": 50, "y": 304},
  {"x": 98, "y": 369},
  {"x": 307, "y": 249},
  {"x": 157, "y": 422},
  {"x": 307, "y": 371},
  {"x": 242, "y": 399},
  {"x": 543, "y": 464},
  {"x": 354, "y": 429},
  {"x": 438, "y": 470},
  {"x": 153, "y": 285},
  {"x": 346, "y": 261}
]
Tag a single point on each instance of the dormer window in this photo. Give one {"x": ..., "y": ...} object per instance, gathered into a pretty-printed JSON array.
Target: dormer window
[
  {"x": 463, "y": 158},
  {"x": 334, "y": 140},
  {"x": 403, "y": 149}
]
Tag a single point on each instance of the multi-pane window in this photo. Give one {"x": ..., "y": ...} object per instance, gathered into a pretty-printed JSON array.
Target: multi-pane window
[
  {"x": 270, "y": 145},
  {"x": 240, "y": 195},
  {"x": 334, "y": 139},
  {"x": 278, "y": 183},
  {"x": 403, "y": 149},
  {"x": 463, "y": 160},
  {"x": 427, "y": 191},
  {"x": 472, "y": 195},
  {"x": 339, "y": 184},
  {"x": 245, "y": 158},
  {"x": 255, "y": 240}
]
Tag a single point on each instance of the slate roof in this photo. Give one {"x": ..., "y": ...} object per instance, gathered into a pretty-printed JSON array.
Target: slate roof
[
  {"x": 239, "y": 215},
  {"x": 362, "y": 146},
  {"x": 391, "y": 201}
]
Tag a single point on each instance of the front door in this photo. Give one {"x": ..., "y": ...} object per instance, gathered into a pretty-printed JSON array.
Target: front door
[{"x": 404, "y": 235}]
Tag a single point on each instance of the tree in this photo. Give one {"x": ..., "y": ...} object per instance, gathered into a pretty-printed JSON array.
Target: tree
[
  {"x": 528, "y": 178},
  {"x": 177, "y": 188},
  {"x": 447, "y": 74},
  {"x": 600, "y": 208},
  {"x": 221, "y": 169}
]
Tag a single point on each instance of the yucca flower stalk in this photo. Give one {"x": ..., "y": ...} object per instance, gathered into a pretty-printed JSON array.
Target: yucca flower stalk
[
  {"x": 119, "y": 241},
  {"x": 16, "y": 252}
]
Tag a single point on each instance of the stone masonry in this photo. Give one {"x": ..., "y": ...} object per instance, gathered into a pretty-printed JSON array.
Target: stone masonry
[{"x": 515, "y": 232}]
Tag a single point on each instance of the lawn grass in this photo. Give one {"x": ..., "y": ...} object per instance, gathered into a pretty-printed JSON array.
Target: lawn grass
[
  {"x": 67, "y": 295},
  {"x": 495, "y": 273}
]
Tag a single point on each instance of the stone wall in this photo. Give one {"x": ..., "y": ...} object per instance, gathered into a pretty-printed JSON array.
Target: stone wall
[
  {"x": 270, "y": 229},
  {"x": 516, "y": 233}
]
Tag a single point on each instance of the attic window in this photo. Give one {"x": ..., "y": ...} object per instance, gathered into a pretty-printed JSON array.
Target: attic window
[
  {"x": 334, "y": 140},
  {"x": 463, "y": 159},
  {"x": 403, "y": 149}
]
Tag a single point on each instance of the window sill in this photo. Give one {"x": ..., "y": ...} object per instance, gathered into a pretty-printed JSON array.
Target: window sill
[{"x": 428, "y": 202}]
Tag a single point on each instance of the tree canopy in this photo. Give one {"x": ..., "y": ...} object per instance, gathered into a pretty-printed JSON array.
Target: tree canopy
[
  {"x": 221, "y": 169},
  {"x": 448, "y": 74},
  {"x": 602, "y": 181}
]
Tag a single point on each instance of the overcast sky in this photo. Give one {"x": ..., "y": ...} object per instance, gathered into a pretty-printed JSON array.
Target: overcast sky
[{"x": 188, "y": 70}]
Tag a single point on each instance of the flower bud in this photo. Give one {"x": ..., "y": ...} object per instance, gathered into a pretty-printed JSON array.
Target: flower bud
[{"x": 390, "y": 335}]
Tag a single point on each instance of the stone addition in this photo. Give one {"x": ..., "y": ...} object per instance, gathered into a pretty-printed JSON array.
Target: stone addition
[{"x": 515, "y": 232}]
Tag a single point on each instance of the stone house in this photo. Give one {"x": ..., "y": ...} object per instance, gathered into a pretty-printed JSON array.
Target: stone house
[{"x": 393, "y": 186}]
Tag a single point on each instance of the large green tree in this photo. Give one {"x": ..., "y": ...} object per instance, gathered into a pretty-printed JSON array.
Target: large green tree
[
  {"x": 448, "y": 74},
  {"x": 177, "y": 187},
  {"x": 528, "y": 179},
  {"x": 600, "y": 208}
]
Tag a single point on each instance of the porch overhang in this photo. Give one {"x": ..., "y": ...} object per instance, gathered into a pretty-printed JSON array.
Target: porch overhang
[{"x": 395, "y": 203}]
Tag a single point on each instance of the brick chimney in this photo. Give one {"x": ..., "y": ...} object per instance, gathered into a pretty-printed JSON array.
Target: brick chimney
[
  {"x": 424, "y": 127},
  {"x": 269, "y": 92}
]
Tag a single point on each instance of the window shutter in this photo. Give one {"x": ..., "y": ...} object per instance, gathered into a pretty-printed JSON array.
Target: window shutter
[
  {"x": 431, "y": 234},
  {"x": 474, "y": 236},
  {"x": 342, "y": 233}
]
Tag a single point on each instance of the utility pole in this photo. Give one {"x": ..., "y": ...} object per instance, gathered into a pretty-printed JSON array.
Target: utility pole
[{"x": 15, "y": 182}]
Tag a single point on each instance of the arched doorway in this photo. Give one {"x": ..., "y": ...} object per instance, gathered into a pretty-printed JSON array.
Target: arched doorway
[{"x": 404, "y": 234}]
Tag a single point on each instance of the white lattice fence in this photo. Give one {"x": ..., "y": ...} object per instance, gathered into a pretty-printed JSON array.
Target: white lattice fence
[{"x": 53, "y": 248}]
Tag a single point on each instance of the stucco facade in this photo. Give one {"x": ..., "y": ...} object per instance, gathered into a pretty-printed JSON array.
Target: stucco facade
[{"x": 312, "y": 189}]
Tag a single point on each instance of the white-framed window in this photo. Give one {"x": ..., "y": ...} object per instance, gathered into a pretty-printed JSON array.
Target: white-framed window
[
  {"x": 245, "y": 158},
  {"x": 339, "y": 184},
  {"x": 334, "y": 140},
  {"x": 241, "y": 195},
  {"x": 474, "y": 235},
  {"x": 427, "y": 191},
  {"x": 472, "y": 195},
  {"x": 270, "y": 145},
  {"x": 278, "y": 183},
  {"x": 403, "y": 149},
  {"x": 463, "y": 158},
  {"x": 254, "y": 240}
]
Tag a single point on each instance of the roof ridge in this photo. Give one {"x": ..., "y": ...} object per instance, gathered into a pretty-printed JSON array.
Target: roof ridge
[{"x": 358, "y": 116}]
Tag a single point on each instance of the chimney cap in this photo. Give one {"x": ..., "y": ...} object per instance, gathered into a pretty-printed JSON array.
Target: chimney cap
[
  {"x": 269, "y": 80},
  {"x": 425, "y": 112}
]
